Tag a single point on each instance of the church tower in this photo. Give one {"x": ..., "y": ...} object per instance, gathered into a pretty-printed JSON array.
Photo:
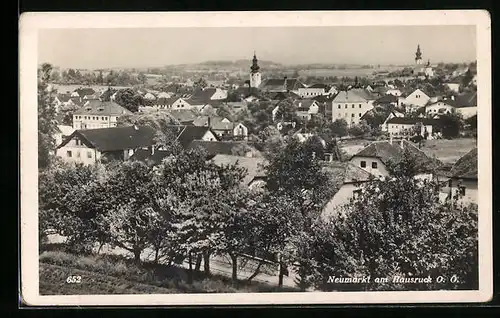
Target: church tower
[
  {"x": 255, "y": 78},
  {"x": 418, "y": 56}
]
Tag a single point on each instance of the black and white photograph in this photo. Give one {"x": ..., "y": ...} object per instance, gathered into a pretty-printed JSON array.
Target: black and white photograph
[{"x": 250, "y": 158}]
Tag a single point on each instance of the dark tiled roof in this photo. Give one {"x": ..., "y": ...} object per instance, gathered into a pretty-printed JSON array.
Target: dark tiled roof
[
  {"x": 466, "y": 166},
  {"x": 412, "y": 121},
  {"x": 466, "y": 100},
  {"x": 116, "y": 138},
  {"x": 284, "y": 95},
  {"x": 96, "y": 107},
  {"x": 186, "y": 134},
  {"x": 63, "y": 97},
  {"x": 386, "y": 152}
]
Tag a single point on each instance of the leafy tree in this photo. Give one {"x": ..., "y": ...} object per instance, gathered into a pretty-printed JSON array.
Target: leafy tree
[
  {"x": 225, "y": 112},
  {"x": 46, "y": 114},
  {"x": 450, "y": 125},
  {"x": 100, "y": 78},
  {"x": 360, "y": 129},
  {"x": 129, "y": 99},
  {"x": 287, "y": 110},
  {"x": 398, "y": 227},
  {"x": 67, "y": 113},
  {"x": 338, "y": 128}
]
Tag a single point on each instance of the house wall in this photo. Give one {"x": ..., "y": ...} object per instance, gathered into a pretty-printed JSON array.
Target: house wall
[
  {"x": 310, "y": 92},
  {"x": 417, "y": 98},
  {"x": 399, "y": 129},
  {"x": 94, "y": 121},
  {"x": 350, "y": 112},
  {"x": 255, "y": 79},
  {"x": 471, "y": 191},
  {"x": 240, "y": 130},
  {"x": 180, "y": 104},
  {"x": 79, "y": 153},
  {"x": 380, "y": 170},
  {"x": 342, "y": 197},
  {"x": 467, "y": 112},
  {"x": 393, "y": 92}
]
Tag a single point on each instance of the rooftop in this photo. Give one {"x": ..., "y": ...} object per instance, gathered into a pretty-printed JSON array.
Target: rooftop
[
  {"x": 466, "y": 166},
  {"x": 97, "y": 107}
]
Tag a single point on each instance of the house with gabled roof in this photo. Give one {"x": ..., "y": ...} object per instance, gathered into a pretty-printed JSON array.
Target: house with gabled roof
[
  {"x": 98, "y": 114},
  {"x": 223, "y": 127},
  {"x": 375, "y": 157},
  {"x": 404, "y": 127},
  {"x": 462, "y": 183},
  {"x": 415, "y": 99},
  {"x": 313, "y": 90},
  {"x": 306, "y": 108},
  {"x": 90, "y": 146}
]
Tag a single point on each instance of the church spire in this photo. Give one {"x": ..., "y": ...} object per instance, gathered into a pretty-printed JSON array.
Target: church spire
[
  {"x": 255, "y": 66},
  {"x": 418, "y": 54}
]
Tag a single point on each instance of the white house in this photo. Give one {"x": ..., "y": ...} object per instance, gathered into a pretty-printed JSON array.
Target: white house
[
  {"x": 306, "y": 108},
  {"x": 97, "y": 114},
  {"x": 88, "y": 146},
  {"x": 375, "y": 157},
  {"x": 350, "y": 106},
  {"x": 313, "y": 90},
  {"x": 416, "y": 98},
  {"x": 63, "y": 131},
  {"x": 391, "y": 115},
  {"x": 394, "y": 92},
  {"x": 463, "y": 179}
]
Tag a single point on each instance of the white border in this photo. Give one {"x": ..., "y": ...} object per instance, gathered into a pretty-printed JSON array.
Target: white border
[{"x": 31, "y": 22}]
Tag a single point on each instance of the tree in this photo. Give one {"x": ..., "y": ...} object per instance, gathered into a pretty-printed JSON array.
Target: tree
[
  {"x": 450, "y": 125},
  {"x": 46, "y": 114},
  {"x": 225, "y": 112},
  {"x": 467, "y": 78},
  {"x": 360, "y": 129},
  {"x": 398, "y": 227},
  {"x": 286, "y": 110},
  {"x": 338, "y": 128},
  {"x": 129, "y": 99},
  {"x": 67, "y": 113},
  {"x": 100, "y": 78}
]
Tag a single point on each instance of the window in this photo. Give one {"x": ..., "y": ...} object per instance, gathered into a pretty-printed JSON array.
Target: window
[
  {"x": 374, "y": 165},
  {"x": 352, "y": 115},
  {"x": 345, "y": 105},
  {"x": 78, "y": 154},
  {"x": 89, "y": 154},
  {"x": 68, "y": 153},
  {"x": 359, "y": 105},
  {"x": 339, "y": 106},
  {"x": 352, "y": 105},
  {"x": 359, "y": 114},
  {"x": 363, "y": 164},
  {"x": 102, "y": 118}
]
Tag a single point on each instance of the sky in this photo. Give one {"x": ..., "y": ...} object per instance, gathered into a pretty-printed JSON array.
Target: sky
[{"x": 140, "y": 47}]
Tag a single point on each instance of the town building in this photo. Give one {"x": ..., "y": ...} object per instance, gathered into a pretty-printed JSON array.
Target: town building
[
  {"x": 97, "y": 114},
  {"x": 405, "y": 127},
  {"x": 90, "y": 146},
  {"x": 255, "y": 176},
  {"x": 466, "y": 104},
  {"x": 313, "y": 90},
  {"x": 306, "y": 108},
  {"x": 454, "y": 85},
  {"x": 414, "y": 100},
  {"x": 350, "y": 105},
  {"x": 223, "y": 127},
  {"x": 440, "y": 107}
]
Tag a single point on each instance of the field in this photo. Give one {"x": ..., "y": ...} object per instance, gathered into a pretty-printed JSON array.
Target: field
[
  {"x": 112, "y": 274},
  {"x": 348, "y": 72},
  {"x": 447, "y": 151}
]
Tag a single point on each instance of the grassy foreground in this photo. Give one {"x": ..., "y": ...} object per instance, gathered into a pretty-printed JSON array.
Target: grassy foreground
[{"x": 111, "y": 274}]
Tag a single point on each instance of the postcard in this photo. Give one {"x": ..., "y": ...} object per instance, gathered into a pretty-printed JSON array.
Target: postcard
[{"x": 255, "y": 158}]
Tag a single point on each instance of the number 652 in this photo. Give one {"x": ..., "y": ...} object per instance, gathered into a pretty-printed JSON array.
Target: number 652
[{"x": 75, "y": 279}]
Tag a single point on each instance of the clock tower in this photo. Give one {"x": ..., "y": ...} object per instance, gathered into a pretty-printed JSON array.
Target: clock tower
[{"x": 255, "y": 77}]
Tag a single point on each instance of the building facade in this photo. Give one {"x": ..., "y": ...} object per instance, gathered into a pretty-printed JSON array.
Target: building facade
[
  {"x": 255, "y": 76},
  {"x": 97, "y": 114},
  {"x": 350, "y": 106}
]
